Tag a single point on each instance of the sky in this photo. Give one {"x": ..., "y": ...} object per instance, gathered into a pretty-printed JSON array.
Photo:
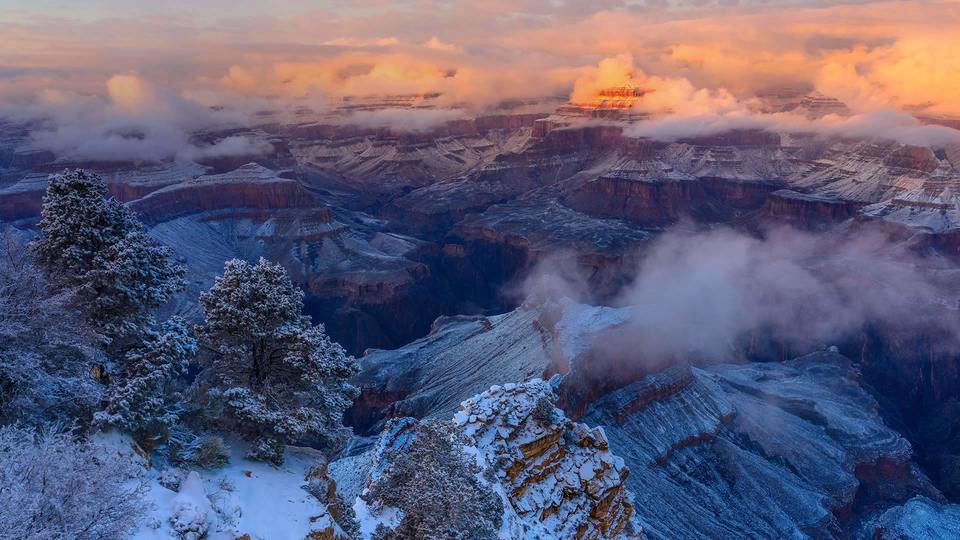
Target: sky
[{"x": 117, "y": 63}]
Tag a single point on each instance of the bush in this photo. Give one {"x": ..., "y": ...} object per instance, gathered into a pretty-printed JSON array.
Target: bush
[
  {"x": 436, "y": 486},
  {"x": 53, "y": 486},
  {"x": 267, "y": 449},
  {"x": 544, "y": 412},
  {"x": 205, "y": 451}
]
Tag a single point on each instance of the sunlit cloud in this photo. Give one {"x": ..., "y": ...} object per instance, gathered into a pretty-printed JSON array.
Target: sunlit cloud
[{"x": 701, "y": 63}]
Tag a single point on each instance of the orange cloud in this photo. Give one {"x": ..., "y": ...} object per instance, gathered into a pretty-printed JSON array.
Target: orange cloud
[{"x": 874, "y": 56}]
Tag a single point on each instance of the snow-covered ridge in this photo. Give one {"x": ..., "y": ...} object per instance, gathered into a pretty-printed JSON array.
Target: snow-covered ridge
[
  {"x": 464, "y": 356},
  {"x": 777, "y": 449}
]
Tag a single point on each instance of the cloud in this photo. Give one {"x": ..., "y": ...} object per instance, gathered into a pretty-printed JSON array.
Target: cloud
[
  {"x": 436, "y": 44},
  {"x": 699, "y": 295},
  {"x": 131, "y": 120},
  {"x": 616, "y": 71},
  {"x": 675, "y": 109},
  {"x": 660, "y": 95},
  {"x": 705, "y": 63},
  {"x": 884, "y": 125},
  {"x": 352, "y": 42},
  {"x": 235, "y": 145}
]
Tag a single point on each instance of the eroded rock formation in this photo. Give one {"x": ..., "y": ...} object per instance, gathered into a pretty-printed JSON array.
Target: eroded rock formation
[{"x": 561, "y": 479}]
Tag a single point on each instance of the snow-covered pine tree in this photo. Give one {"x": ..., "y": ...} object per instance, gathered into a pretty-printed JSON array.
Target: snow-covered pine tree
[
  {"x": 436, "y": 487},
  {"x": 129, "y": 279},
  {"x": 92, "y": 244},
  {"x": 78, "y": 221},
  {"x": 277, "y": 378},
  {"x": 142, "y": 400},
  {"x": 46, "y": 349}
]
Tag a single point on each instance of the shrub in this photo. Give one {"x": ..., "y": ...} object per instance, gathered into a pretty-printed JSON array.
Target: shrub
[
  {"x": 436, "y": 486},
  {"x": 205, "y": 451},
  {"x": 64, "y": 488}
]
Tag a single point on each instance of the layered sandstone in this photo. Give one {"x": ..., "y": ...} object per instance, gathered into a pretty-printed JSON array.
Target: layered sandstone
[
  {"x": 806, "y": 211},
  {"x": 560, "y": 477},
  {"x": 250, "y": 187}
]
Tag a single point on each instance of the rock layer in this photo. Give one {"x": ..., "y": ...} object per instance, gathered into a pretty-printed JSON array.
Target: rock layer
[{"x": 560, "y": 477}]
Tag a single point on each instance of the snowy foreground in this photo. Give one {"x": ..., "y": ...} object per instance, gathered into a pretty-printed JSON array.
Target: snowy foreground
[
  {"x": 554, "y": 478},
  {"x": 244, "y": 497}
]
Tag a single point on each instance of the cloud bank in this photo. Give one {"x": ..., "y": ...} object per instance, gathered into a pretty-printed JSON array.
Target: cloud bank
[
  {"x": 134, "y": 120},
  {"x": 147, "y": 76},
  {"x": 700, "y": 295}
]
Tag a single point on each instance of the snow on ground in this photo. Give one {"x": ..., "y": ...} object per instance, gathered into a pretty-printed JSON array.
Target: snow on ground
[{"x": 243, "y": 498}]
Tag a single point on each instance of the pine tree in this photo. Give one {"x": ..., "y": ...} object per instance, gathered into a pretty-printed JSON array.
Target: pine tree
[
  {"x": 278, "y": 379},
  {"x": 142, "y": 401},
  {"x": 129, "y": 279},
  {"x": 435, "y": 485},
  {"x": 92, "y": 244},
  {"x": 78, "y": 221},
  {"x": 46, "y": 349}
]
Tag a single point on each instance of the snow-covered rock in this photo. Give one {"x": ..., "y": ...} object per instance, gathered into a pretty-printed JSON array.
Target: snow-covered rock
[
  {"x": 920, "y": 517},
  {"x": 557, "y": 478},
  {"x": 191, "y": 509},
  {"x": 766, "y": 450},
  {"x": 780, "y": 449},
  {"x": 464, "y": 356},
  {"x": 560, "y": 478}
]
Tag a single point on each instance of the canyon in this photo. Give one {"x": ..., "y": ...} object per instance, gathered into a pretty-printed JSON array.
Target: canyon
[{"x": 413, "y": 247}]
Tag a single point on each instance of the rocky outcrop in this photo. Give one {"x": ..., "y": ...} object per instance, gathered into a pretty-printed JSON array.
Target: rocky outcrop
[
  {"x": 661, "y": 202},
  {"x": 560, "y": 477},
  {"x": 920, "y": 517},
  {"x": 806, "y": 211},
  {"x": 340, "y": 129},
  {"x": 915, "y": 158},
  {"x": 251, "y": 187},
  {"x": 794, "y": 449},
  {"x": 738, "y": 137},
  {"x": 556, "y": 478},
  {"x": 563, "y": 139},
  {"x": 464, "y": 355},
  {"x": 507, "y": 240},
  {"x": 17, "y": 205},
  {"x": 359, "y": 279},
  {"x": 431, "y": 376},
  {"x": 769, "y": 450}
]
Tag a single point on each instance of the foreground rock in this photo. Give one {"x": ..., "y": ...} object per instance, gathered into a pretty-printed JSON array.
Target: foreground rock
[
  {"x": 557, "y": 478},
  {"x": 561, "y": 479}
]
